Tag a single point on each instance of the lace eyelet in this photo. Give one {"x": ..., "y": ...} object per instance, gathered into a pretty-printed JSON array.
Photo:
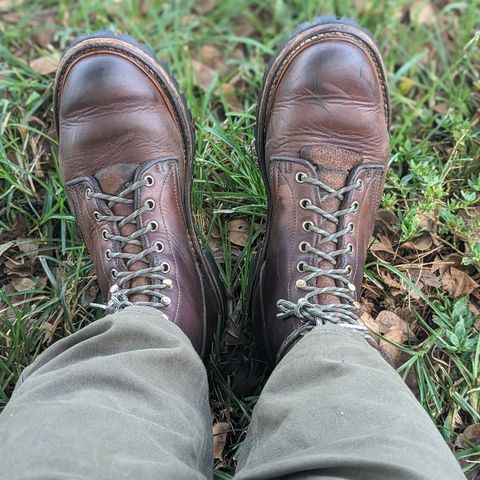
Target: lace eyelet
[
  {"x": 160, "y": 246},
  {"x": 359, "y": 185},
  {"x": 305, "y": 203},
  {"x": 300, "y": 284},
  {"x": 301, "y": 266},
  {"x": 307, "y": 226},
  {"x": 150, "y": 180},
  {"x": 299, "y": 177},
  {"x": 105, "y": 235},
  {"x": 88, "y": 193},
  {"x": 165, "y": 267},
  {"x": 349, "y": 270},
  {"x": 354, "y": 206},
  {"x": 349, "y": 249},
  {"x": 114, "y": 273},
  {"x": 166, "y": 300},
  {"x": 96, "y": 215},
  {"x": 153, "y": 226},
  {"x": 351, "y": 227},
  {"x": 303, "y": 247},
  {"x": 108, "y": 254},
  {"x": 150, "y": 204}
]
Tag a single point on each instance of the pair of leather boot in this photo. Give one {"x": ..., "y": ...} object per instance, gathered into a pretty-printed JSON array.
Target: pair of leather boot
[{"x": 127, "y": 147}]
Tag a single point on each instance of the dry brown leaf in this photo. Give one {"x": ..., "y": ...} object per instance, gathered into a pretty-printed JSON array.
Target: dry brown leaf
[
  {"x": 212, "y": 57},
  {"x": 203, "y": 76},
  {"x": 458, "y": 283},
  {"x": 422, "y": 243},
  {"x": 471, "y": 435},
  {"x": 44, "y": 65},
  {"x": 21, "y": 284},
  {"x": 44, "y": 35},
  {"x": 387, "y": 320},
  {"x": 422, "y": 12},
  {"x": 394, "y": 334},
  {"x": 204, "y": 6},
  {"x": 220, "y": 432},
  {"x": 5, "y": 246},
  {"x": 382, "y": 244},
  {"x": 230, "y": 92},
  {"x": 238, "y": 231},
  {"x": 233, "y": 334}
]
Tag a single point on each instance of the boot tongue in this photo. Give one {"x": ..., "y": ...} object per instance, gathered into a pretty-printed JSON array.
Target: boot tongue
[
  {"x": 112, "y": 180},
  {"x": 333, "y": 167}
]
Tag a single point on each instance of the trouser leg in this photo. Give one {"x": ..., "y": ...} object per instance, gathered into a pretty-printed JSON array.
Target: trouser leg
[
  {"x": 125, "y": 397},
  {"x": 334, "y": 409}
]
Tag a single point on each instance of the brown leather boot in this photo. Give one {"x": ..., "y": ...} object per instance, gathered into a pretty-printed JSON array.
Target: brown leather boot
[
  {"x": 322, "y": 142},
  {"x": 126, "y": 156}
]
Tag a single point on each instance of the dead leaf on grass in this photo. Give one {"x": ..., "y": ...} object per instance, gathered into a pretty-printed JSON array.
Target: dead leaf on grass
[
  {"x": 44, "y": 65},
  {"x": 422, "y": 243},
  {"x": 458, "y": 283},
  {"x": 220, "y": 433},
  {"x": 22, "y": 284},
  {"x": 203, "y": 75},
  {"x": 394, "y": 334},
  {"x": 469, "y": 437},
  {"x": 422, "y": 12},
  {"x": 238, "y": 231},
  {"x": 204, "y": 6}
]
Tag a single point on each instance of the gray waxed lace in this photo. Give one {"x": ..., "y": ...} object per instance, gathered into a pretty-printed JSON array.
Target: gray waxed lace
[
  {"x": 313, "y": 314},
  {"x": 119, "y": 292}
]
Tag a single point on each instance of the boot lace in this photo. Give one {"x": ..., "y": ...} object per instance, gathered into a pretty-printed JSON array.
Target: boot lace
[
  {"x": 312, "y": 314},
  {"x": 120, "y": 292}
]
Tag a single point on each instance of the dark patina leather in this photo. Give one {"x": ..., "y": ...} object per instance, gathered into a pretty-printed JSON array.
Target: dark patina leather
[
  {"x": 324, "y": 112},
  {"x": 120, "y": 120}
]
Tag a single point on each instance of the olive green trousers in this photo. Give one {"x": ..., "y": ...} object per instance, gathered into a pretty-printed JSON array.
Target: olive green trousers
[{"x": 127, "y": 398}]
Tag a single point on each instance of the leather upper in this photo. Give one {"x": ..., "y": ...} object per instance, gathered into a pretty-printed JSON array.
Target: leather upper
[
  {"x": 117, "y": 126},
  {"x": 323, "y": 113}
]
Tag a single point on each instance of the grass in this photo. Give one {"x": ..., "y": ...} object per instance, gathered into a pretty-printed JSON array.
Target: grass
[{"x": 427, "y": 257}]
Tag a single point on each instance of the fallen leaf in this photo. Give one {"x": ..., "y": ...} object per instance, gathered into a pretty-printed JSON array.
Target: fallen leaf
[
  {"x": 469, "y": 437},
  {"x": 220, "y": 432},
  {"x": 458, "y": 283},
  {"x": 203, "y": 76},
  {"x": 382, "y": 244},
  {"x": 422, "y": 243},
  {"x": 394, "y": 334},
  {"x": 21, "y": 284},
  {"x": 204, "y": 6},
  {"x": 44, "y": 65},
  {"x": 212, "y": 57},
  {"x": 238, "y": 231},
  {"x": 230, "y": 92},
  {"x": 422, "y": 12}
]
